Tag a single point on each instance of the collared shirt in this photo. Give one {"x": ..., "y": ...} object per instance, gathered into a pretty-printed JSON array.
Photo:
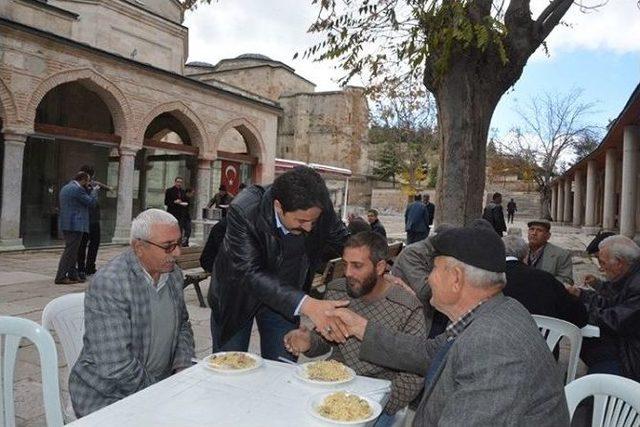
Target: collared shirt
[
  {"x": 512, "y": 258},
  {"x": 534, "y": 257},
  {"x": 286, "y": 231},
  {"x": 454, "y": 329},
  {"x": 279, "y": 223},
  {"x": 162, "y": 280}
]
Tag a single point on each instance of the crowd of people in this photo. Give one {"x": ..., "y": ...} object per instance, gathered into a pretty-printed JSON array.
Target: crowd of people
[{"x": 449, "y": 323}]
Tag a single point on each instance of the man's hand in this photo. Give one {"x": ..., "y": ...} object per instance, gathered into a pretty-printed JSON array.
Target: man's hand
[
  {"x": 177, "y": 201},
  {"x": 329, "y": 326},
  {"x": 590, "y": 280},
  {"x": 573, "y": 290},
  {"x": 355, "y": 323},
  {"x": 298, "y": 341}
]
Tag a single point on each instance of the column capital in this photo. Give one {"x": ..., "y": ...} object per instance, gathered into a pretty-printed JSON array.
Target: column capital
[
  {"x": 14, "y": 137},
  {"x": 204, "y": 164}
]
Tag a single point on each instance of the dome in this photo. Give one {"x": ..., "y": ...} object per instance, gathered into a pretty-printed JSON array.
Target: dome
[
  {"x": 254, "y": 56},
  {"x": 199, "y": 64}
]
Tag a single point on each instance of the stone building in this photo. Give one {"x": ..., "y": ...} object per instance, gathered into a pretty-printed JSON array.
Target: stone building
[
  {"x": 602, "y": 190},
  {"x": 103, "y": 82},
  {"x": 329, "y": 128}
]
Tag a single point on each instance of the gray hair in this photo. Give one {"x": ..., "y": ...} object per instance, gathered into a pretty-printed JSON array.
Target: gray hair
[
  {"x": 621, "y": 247},
  {"x": 478, "y": 277},
  {"x": 515, "y": 246},
  {"x": 141, "y": 225}
]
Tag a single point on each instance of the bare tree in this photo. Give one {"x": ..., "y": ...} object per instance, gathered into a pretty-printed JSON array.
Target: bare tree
[{"x": 554, "y": 126}]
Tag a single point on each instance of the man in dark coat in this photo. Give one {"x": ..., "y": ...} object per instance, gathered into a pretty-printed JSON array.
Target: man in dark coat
[
  {"x": 416, "y": 220},
  {"x": 431, "y": 209},
  {"x": 273, "y": 244},
  {"x": 616, "y": 312},
  {"x": 494, "y": 214},
  {"x": 374, "y": 222},
  {"x": 512, "y": 208},
  {"x": 176, "y": 201},
  {"x": 537, "y": 290}
]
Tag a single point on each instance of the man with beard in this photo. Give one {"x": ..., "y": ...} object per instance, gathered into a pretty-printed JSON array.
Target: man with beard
[
  {"x": 380, "y": 301},
  {"x": 137, "y": 329}
]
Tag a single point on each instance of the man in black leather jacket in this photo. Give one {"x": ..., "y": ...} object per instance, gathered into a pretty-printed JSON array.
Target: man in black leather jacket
[
  {"x": 616, "y": 312},
  {"x": 274, "y": 240}
]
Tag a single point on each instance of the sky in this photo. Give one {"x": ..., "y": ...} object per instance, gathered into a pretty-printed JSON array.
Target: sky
[{"x": 598, "y": 51}]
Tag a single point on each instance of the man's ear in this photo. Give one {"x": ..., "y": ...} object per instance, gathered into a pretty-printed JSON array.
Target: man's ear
[
  {"x": 278, "y": 207},
  {"x": 457, "y": 279},
  {"x": 381, "y": 267}
]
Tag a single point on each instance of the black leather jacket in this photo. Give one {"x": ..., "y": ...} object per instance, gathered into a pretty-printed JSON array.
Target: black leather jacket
[
  {"x": 617, "y": 313},
  {"x": 245, "y": 270}
]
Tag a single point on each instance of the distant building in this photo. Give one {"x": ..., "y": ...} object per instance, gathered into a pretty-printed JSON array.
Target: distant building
[
  {"x": 329, "y": 128},
  {"x": 103, "y": 82},
  {"x": 602, "y": 191}
]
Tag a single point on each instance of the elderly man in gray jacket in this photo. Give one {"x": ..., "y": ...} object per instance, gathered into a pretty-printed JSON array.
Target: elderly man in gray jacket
[
  {"x": 137, "y": 329},
  {"x": 491, "y": 366}
]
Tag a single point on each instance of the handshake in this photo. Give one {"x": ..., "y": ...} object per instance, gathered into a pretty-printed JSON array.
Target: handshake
[{"x": 331, "y": 319}]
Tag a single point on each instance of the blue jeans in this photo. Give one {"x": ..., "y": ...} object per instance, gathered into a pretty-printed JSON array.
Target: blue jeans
[{"x": 272, "y": 327}]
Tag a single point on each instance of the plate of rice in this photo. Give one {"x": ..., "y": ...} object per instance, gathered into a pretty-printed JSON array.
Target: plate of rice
[
  {"x": 344, "y": 408},
  {"x": 325, "y": 372},
  {"x": 232, "y": 362}
]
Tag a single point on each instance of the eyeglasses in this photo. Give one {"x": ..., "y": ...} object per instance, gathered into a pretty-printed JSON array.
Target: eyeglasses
[{"x": 167, "y": 249}]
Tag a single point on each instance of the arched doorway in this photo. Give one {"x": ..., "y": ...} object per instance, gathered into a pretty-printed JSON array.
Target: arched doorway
[
  {"x": 236, "y": 160},
  {"x": 73, "y": 127},
  {"x": 168, "y": 152}
]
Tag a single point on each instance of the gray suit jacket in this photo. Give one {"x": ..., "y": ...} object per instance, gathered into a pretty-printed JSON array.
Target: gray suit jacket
[
  {"x": 74, "y": 207},
  {"x": 557, "y": 261},
  {"x": 116, "y": 342},
  {"x": 498, "y": 372}
]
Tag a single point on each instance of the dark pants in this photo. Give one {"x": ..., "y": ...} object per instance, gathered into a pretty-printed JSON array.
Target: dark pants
[
  {"x": 601, "y": 356},
  {"x": 69, "y": 256},
  {"x": 272, "y": 327},
  {"x": 93, "y": 239},
  {"x": 416, "y": 236},
  {"x": 510, "y": 217},
  {"x": 185, "y": 226}
]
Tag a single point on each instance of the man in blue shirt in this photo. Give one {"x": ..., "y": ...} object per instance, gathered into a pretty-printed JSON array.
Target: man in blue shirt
[{"x": 416, "y": 220}]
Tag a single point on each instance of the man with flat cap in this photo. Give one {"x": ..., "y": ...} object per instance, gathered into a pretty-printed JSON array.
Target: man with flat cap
[
  {"x": 491, "y": 366},
  {"x": 547, "y": 256}
]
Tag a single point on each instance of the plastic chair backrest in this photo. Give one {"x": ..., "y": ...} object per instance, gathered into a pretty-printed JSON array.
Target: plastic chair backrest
[
  {"x": 65, "y": 315},
  {"x": 552, "y": 330},
  {"x": 12, "y": 330},
  {"x": 616, "y": 400}
]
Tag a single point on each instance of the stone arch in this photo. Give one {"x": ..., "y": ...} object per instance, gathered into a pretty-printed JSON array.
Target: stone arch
[
  {"x": 8, "y": 110},
  {"x": 108, "y": 92},
  {"x": 185, "y": 115},
  {"x": 249, "y": 132}
]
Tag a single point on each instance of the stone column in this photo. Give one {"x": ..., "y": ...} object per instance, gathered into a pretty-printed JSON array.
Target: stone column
[
  {"x": 14, "y": 144},
  {"x": 554, "y": 200},
  {"x": 631, "y": 143},
  {"x": 590, "y": 202},
  {"x": 560, "y": 208},
  {"x": 577, "y": 198},
  {"x": 125, "y": 195},
  {"x": 203, "y": 195},
  {"x": 609, "y": 205},
  {"x": 566, "y": 217}
]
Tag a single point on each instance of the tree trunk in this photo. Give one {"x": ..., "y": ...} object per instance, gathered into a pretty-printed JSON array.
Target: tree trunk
[
  {"x": 545, "y": 202},
  {"x": 465, "y": 108}
]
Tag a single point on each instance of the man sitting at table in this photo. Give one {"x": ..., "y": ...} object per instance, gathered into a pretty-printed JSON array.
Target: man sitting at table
[
  {"x": 137, "y": 329},
  {"x": 616, "y": 311},
  {"x": 491, "y": 366},
  {"x": 379, "y": 300}
]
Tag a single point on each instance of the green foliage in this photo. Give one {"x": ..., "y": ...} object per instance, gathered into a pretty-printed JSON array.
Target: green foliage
[{"x": 389, "y": 163}]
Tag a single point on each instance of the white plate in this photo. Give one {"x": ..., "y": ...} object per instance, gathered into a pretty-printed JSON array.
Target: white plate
[
  {"x": 316, "y": 400},
  {"x": 302, "y": 374},
  {"x": 255, "y": 357}
]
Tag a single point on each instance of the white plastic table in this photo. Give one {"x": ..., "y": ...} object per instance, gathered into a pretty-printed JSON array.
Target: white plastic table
[
  {"x": 590, "y": 331},
  {"x": 268, "y": 396}
]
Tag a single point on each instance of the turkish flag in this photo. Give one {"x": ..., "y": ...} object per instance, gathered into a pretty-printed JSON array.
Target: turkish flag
[{"x": 230, "y": 176}]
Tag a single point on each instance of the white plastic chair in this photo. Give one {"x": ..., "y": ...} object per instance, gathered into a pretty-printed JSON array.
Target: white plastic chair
[
  {"x": 65, "y": 315},
  {"x": 12, "y": 330},
  {"x": 552, "y": 330},
  {"x": 616, "y": 400}
]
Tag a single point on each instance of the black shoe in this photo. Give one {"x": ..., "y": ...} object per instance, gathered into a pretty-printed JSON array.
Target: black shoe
[
  {"x": 91, "y": 271},
  {"x": 82, "y": 277}
]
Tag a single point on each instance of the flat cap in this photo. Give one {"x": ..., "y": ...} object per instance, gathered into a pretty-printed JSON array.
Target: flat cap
[
  {"x": 477, "y": 246},
  {"x": 542, "y": 222}
]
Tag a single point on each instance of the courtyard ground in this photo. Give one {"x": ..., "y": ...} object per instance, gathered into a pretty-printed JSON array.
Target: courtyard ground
[{"x": 26, "y": 286}]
